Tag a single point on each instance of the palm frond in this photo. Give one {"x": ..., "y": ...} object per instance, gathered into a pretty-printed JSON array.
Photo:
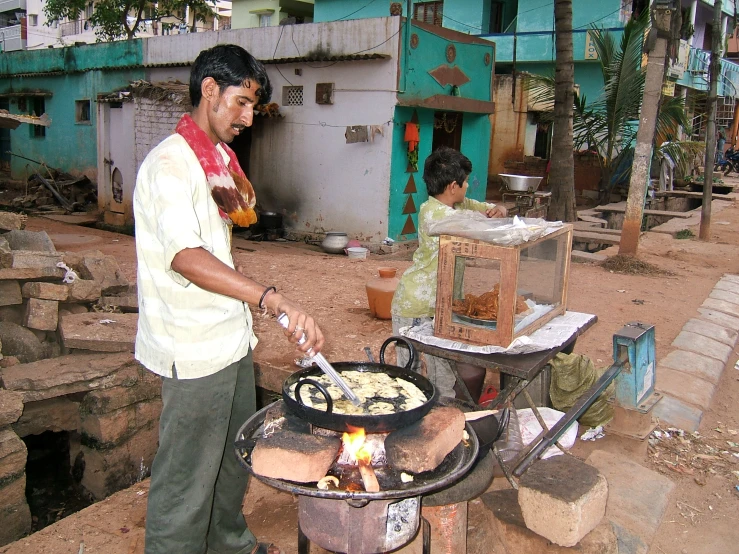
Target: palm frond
[{"x": 683, "y": 154}]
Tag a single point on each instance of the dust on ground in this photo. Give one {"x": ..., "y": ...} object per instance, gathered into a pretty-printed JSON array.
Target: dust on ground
[{"x": 702, "y": 515}]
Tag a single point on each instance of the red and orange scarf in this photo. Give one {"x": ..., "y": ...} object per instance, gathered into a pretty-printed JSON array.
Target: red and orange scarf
[{"x": 230, "y": 188}]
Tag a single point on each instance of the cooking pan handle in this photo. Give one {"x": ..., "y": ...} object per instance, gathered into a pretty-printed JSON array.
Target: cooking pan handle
[
  {"x": 407, "y": 344},
  {"x": 321, "y": 389}
]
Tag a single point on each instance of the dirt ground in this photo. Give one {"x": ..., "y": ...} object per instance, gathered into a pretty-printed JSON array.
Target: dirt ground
[{"x": 702, "y": 515}]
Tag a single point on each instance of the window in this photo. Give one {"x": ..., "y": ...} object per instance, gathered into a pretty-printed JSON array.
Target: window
[
  {"x": 265, "y": 19},
  {"x": 37, "y": 107},
  {"x": 82, "y": 111},
  {"x": 88, "y": 10},
  {"x": 32, "y": 20},
  {"x": 292, "y": 96},
  {"x": 429, "y": 12}
]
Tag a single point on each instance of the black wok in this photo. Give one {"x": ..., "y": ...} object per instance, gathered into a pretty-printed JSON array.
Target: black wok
[{"x": 348, "y": 422}]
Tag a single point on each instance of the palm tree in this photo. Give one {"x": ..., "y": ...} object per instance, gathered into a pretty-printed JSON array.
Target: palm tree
[
  {"x": 562, "y": 173},
  {"x": 608, "y": 125}
]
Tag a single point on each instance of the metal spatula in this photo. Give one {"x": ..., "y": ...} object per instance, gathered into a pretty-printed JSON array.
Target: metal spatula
[{"x": 326, "y": 367}]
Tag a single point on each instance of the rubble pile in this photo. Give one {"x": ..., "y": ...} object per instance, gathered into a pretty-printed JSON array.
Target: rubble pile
[
  {"x": 67, "y": 329},
  {"x": 50, "y": 189}
]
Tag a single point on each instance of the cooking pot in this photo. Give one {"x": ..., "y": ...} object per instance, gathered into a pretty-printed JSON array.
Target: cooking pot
[
  {"x": 270, "y": 220},
  {"x": 520, "y": 183},
  {"x": 350, "y": 422}
]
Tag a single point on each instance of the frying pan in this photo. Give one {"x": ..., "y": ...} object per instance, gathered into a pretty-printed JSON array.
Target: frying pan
[{"x": 350, "y": 422}]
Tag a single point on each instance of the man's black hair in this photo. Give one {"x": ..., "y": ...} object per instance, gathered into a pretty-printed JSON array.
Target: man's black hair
[
  {"x": 230, "y": 66},
  {"x": 444, "y": 166}
]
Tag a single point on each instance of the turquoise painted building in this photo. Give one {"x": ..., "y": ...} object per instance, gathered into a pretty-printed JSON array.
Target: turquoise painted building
[{"x": 63, "y": 83}]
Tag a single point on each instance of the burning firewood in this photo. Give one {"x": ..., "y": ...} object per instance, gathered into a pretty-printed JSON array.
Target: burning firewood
[
  {"x": 357, "y": 447},
  {"x": 368, "y": 476}
]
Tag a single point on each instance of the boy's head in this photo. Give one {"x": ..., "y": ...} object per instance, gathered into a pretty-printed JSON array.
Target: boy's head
[{"x": 443, "y": 167}]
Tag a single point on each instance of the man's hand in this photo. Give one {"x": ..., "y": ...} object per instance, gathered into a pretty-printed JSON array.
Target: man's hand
[
  {"x": 496, "y": 211},
  {"x": 301, "y": 324}
]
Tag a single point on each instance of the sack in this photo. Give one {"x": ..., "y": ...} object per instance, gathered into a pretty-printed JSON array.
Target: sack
[{"x": 572, "y": 376}]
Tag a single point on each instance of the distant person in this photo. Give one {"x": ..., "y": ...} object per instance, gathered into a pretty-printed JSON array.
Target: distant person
[
  {"x": 195, "y": 328},
  {"x": 445, "y": 173},
  {"x": 720, "y": 143}
]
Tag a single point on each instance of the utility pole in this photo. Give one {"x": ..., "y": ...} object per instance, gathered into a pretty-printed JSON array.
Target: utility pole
[
  {"x": 714, "y": 69},
  {"x": 656, "y": 47}
]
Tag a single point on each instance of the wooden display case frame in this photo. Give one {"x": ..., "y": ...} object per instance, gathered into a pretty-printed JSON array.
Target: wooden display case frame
[{"x": 509, "y": 258}]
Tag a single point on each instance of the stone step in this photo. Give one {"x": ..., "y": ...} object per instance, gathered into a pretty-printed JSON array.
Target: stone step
[
  {"x": 594, "y": 228},
  {"x": 603, "y": 238},
  {"x": 620, "y": 207},
  {"x": 687, "y": 194},
  {"x": 587, "y": 257},
  {"x": 99, "y": 331}
]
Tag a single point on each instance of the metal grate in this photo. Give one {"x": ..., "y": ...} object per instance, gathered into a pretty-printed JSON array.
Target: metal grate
[
  {"x": 429, "y": 12},
  {"x": 292, "y": 96}
]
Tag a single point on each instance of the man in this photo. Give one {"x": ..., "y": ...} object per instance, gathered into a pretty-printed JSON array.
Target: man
[{"x": 195, "y": 329}]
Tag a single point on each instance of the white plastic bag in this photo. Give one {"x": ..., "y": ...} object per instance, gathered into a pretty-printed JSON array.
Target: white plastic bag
[
  {"x": 501, "y": 231},
  {"x": 530, "y": 429}
]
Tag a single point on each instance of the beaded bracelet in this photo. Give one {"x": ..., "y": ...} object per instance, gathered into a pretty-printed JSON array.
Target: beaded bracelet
[{"x": 264, "y": 295}]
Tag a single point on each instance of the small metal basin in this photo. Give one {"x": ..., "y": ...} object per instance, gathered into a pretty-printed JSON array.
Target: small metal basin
[{"x": 520, "y": 183}]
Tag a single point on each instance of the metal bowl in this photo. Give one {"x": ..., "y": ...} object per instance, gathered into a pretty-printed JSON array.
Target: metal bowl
[{"x": 520, "y": 183}]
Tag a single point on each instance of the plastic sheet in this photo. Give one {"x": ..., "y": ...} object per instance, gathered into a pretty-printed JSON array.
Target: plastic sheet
[
  {"x": 504, "y": 231},
  {"x": 530, "y": 429},
  {"x": 572, "y": 376}
]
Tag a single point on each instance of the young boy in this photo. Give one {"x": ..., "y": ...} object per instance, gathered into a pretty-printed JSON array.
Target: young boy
[{"x": 445, "y": 173}]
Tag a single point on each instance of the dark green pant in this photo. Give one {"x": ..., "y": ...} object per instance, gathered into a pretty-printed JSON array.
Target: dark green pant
[{"x": 197, "y": 485}]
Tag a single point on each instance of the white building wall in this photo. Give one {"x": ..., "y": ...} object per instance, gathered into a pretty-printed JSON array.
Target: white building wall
[{"x": 39, "y": 35}]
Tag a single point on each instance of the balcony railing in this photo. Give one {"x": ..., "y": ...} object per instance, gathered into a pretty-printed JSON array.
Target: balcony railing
[
  {"x": 11, "y": 39},
  {"x": 697, "y": 74},
  {"x": 76, "y": 27},
  {"x": 12, "y": 5}
]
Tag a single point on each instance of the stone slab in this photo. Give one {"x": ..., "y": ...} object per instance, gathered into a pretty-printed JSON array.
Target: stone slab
[
  {"x": 84, "y": 290},
  {"x": 684, "y": 386},
  {"x": 108, "y": 400},
  {"x": 34, "y": 241},
  {"x": 637, "y": 496},
  {"x": 55, "y": 414},
  {"x": 712, "y": 331},
  {"x": 42, "y": 315},
  {"x": 71, "y": 373},
  {"x": 11, "y": 407},
  {"x": 10, "y": 221},
  {"x": 677, "y": 413},
  {"x": 96, "y": 266},
  {"x": 101, "y": 332},
  {"x": 14, "y": 511},
  {"x": 45, "y": 291},
  {"x": 727, "y": 285},
  {"x": 31, "y": 273},
  {"x": 702, "y": 345},
  {"x": 731, "y": 277},
  {"x": 726, "y": 296},
  {"x": 719, "y": 318},
  {"x": 13, "y": 454},
  {"x": 694, "y": 364},
  {"x": 587, "y": 257},
  {"x": 712, "y": 304},
  {"x": 10, "y": 293}
]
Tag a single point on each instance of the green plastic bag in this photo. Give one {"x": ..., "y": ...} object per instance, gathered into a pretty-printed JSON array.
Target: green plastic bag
[{"x": 572, "y": 376}]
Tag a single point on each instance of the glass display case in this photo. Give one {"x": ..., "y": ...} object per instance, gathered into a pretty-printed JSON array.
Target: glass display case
[{"x": 490, "y": 294}]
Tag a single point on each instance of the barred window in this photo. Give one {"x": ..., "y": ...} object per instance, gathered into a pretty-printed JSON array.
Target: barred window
[
  {"x": 429, "y": 12},
  {"x": 292, "y": 96}
]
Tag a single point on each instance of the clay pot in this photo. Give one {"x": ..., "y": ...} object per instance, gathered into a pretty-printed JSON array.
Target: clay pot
[
  {"x": 334, "y": 243},
  {"x": 380, "y": 291}
]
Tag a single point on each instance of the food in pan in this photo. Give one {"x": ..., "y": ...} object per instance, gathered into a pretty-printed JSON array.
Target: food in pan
[
  {"x": 379, "y": 394},
  {"x": 485, "y": 306}
]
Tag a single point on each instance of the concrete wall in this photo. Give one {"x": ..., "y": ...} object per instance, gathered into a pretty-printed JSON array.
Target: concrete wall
[{"x": 245, "y": 13}]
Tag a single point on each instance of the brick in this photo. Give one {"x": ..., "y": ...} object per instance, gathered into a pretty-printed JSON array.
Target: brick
[
  {"x": 13, "y": 454},
  {"x": 423, "y": 445},
  {"x": 678, "y": 413},
  {"x": 694, "y": 364},
  {"x": 720, "y": 306},
  {"x": 10, "y": 293},
  {"x": 562, "y": 499},
  {"x": 712, "y": 331},
  {"x": 637, "y": 497},
  {"x": 294, "y": 456},
  {"x": 84, "y": 290},
  {"x": 11, "y": 407},
  {"x": 14, "y": 511},
  {"x": 41, "y": 314},
  {"x": 70, "y": 374},
  {"x": 720, "y": 318},
  {"x": 54, "y": 414},
  {"x": 101, "y": 332},
  {"x": 684, "y": 386},
  {"x": 718, "y": 294},
  {"x": 702, "y": 345},
  {"x": 45, "y": 291}
]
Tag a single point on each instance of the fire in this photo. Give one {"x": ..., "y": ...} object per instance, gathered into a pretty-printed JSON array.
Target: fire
[{"x": 354, "y": 443}]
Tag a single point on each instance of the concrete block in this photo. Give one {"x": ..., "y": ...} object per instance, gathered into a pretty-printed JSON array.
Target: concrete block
[
  {"x": 10, "y": 293},
  {"x": 55, "y": 414},
  {"x": 631, "y": 423},
  {"x": 101, "y": 332},
  {"x": 712, "y": 331},
  {"x": 41, "y": 314},
  {"x": 731, "y": 277},
  {"x": 13, "y": 454},
  {"x": 718, "y": 305},
  {"x": 727, "y": 285},
  {"x": 45, "y": 291},
  {"x": 702, "y": 345},
  {"x": 678, "y": 413},
  {"x": 84, "y": 290},
  {"x": 562, "y": 499},
  {"x": 720, "y": 318},
  {"x": 294, "y": 456},
  {"x": 694, "y": 364},
  {"x": 11, "y": 407},
  {"x": 637, "y": 496},
  {"x": 718, "y": 294},
  {"x": 684, "y": 386},
  {"x": 424, "y": 445}
]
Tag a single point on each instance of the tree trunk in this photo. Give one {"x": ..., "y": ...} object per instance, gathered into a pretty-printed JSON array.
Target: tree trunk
[{"x": 562, "y": 174}]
